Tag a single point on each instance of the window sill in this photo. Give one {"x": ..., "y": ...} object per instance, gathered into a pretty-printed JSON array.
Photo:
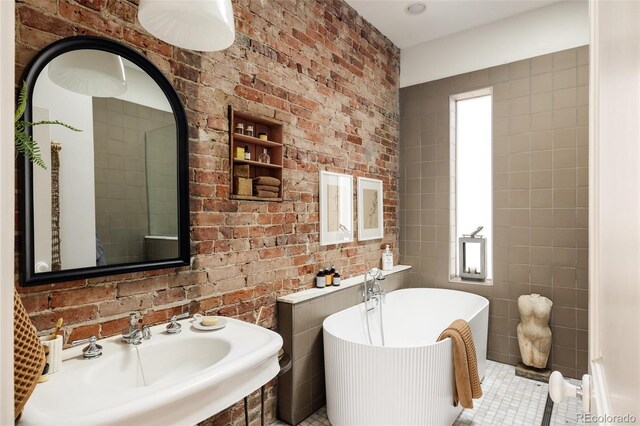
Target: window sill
[{"x": 458, "y": 280}]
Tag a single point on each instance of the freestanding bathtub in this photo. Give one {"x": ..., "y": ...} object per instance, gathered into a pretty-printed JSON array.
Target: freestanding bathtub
[{"x": 410, "y": 380}]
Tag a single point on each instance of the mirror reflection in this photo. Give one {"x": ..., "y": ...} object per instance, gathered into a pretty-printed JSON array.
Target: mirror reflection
[{"x": 109, "y": 194}]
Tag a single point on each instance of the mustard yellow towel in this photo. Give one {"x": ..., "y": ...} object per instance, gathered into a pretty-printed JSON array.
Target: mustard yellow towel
[{"x": 465, "y": 366}]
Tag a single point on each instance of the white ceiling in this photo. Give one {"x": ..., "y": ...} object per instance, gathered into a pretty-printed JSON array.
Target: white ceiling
[{"x": 442, "y": 17}]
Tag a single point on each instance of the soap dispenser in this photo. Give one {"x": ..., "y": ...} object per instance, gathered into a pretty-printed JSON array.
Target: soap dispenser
[{"x": 387, "y": 259}]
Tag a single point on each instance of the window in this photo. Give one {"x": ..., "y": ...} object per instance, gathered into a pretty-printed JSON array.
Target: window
[{"x": 473, "y": 201}]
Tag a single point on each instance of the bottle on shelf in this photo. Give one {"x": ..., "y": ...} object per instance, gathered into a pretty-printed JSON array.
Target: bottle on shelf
[
  {"x": 264, "y": 157},
  {"x": 320, "y": 279},
  {"x": 239, "y": 128},
  {"x": 247, "y": 153},
  {"x": 262, "y": 136},
  {"x": 336, "y": 278},
  {"x": 249, "y": 131},
  {"x": 387, "y": 259},
  {"x": 328, "y": 277}
]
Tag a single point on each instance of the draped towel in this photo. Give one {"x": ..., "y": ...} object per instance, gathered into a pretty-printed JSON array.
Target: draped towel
[{"x": 465, "y": 365}]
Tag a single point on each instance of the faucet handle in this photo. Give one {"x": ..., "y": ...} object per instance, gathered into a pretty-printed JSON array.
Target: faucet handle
[
  {"x": 133, "y": 319},
  {"x": 146, "y": 332},
  {"x": 93, "y": 350},
  {"x": 175, "y": 327}
]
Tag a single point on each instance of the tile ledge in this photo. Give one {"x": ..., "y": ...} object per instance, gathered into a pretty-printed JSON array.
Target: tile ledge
[
  {"x": 312, "y": 293},
  {"x": 458, "y": 280}
]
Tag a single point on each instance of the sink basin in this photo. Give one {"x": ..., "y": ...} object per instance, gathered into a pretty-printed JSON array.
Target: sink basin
[{"x": 169, "y": 379}]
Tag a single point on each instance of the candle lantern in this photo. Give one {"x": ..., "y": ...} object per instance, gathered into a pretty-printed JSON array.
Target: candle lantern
[{"x": 473, "y": 258}]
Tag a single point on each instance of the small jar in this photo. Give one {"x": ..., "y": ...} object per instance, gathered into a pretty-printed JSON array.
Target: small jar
[
  {"x": 239, "y": 128},
  {"x": 320, "y": 279},
  {"x": 262, "y": 136},
  {"x": 336, "y": 279},
  {"x": 328, "y": 277},
  {"x": 264, "y": 157},
  {"x": 249, "y": 131},
  {"x": 247, "y": 153}
]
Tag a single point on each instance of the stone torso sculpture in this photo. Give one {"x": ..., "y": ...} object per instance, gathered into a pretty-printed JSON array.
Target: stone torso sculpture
[{"x": 534, "y": 334}]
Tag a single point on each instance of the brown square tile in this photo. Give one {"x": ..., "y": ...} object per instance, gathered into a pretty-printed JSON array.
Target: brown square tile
[
  {"x": 541, "y": 141},
  {"x": 519, "y": 255},
  {"x": 565, "y": 337},
  {"x": 519, "y": 217},
  {"x": 541, "y": 121},
  {"x": 542, "y": 83},
  {"x": 502, "y": 91},
  {"x": 519, "y": 143},
  {"x": 541, "y": 179},
  {"x": 519, "y": 125},
  {"x": 520, "y": 87},
  {"x": 541, "y": 237},
  {"x": 564, "y": 257},
  {"x": 564, "y": 98},
  {"x": 583, "y": 75},
  {"x": 519, "y": 180},
  {"x": 518, "y": 236},
  {"x": 541, "y": 64},
  {"x": 564, "y": 297},
  {"x": 563, "y": 317},
  {"x": 564, "y": 218},
  {"x": 564, "y": 178},
  {"x": 541, "y": 160},
  {"x": 541, "y": 256},
  {"x": 541, "y": 198},
  {"x": 541, "y": 275},
  {"x": 501, "y": 109},
  {"x": 541, "y": 102},
  {"x": 520, "y": 69},
  {"x": 565, "y": 79},
  {"x": 564, "y": 138},
  {"x": 565, "y": 59},
  {"x": 519, "y": 199},
  {"x": 565, "y": 197},
  {"x": 565, "y": 357},
  {"x": 564, "y": 237},
  {"x": 499, "y": 74},
  {"x": 567, "y": 117},
  {"x": 520, "y": 106},
  {"x": 542, "y": 217}
]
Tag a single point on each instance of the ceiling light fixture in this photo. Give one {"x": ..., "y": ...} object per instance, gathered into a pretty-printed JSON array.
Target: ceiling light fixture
[
  {"x": 415, "y": 8},
  {"x": 202, "y": 25},
  {"x": 89, "y": 72}
]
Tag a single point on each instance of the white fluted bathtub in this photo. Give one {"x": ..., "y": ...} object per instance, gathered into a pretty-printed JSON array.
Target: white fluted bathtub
[{"x": 409, "y": 381}]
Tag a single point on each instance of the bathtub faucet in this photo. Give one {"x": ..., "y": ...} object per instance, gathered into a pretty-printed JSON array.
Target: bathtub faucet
[{"x": 373, "y": 291}]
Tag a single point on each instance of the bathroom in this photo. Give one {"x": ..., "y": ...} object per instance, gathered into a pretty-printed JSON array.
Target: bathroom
[{"x": 353, "y": 100}]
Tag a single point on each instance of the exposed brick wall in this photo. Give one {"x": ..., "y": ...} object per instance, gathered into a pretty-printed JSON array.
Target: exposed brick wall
[{"x": 318, "y": 67}]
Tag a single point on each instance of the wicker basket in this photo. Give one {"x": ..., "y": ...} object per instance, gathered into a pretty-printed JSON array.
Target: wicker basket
[{"x": 28, "y": 355}]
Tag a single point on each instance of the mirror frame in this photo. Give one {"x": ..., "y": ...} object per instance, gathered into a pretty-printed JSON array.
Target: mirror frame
[{"x": 27, "y": 257}]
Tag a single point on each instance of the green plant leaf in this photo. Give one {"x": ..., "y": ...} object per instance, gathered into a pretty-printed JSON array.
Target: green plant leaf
[
  {"x": 22, "y": 102},
  {"x": 56, "y": 122},
  {"x": 29, "y": 148}
]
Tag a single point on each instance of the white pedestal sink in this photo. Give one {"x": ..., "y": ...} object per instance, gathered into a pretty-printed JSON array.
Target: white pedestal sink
[{"x": 176, "y": 379}]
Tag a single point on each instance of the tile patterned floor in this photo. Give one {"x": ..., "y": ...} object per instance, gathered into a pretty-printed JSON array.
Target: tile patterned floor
[{"x": 508, "y": 400}]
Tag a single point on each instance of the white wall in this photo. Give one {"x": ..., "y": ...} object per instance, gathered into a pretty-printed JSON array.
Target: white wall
[
  {"x": 77, "y": 183},
  {"x": 7, "y": 218},
  {"x": 614, "y": 206},
  {"x": 560, "y": 26}
]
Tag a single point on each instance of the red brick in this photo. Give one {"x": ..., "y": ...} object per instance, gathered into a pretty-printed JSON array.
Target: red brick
[
  {"x": 75, "y": 315},
  {"x": 83, "y": 332},
  {"x": 82, "y": 296}
]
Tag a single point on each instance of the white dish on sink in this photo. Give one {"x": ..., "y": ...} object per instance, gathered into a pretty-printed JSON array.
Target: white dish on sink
[
  {"x": 197, "y": 323},
  {"x": 181, "y": 379}
]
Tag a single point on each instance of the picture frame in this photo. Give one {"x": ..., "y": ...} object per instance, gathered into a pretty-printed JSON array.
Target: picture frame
[
  {"x": 370, "y": 209},
  {"x": 336, "y": 208}
]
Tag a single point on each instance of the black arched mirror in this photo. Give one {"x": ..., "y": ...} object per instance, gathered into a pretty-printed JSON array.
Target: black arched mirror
[{"x": 114, "y": 196}]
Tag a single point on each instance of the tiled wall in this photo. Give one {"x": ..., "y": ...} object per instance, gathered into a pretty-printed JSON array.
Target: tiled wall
[
  {"x": 540, "y": 181},
  {"x": 122, "y": 215},
  {"x": 316, "y": 66},
  {"x": 301, "y": 391}
]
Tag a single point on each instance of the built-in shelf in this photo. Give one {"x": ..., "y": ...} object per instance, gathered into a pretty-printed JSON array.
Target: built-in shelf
[
  {"x": 240, "y": 182},
  {"x": 256, "y": 163}
]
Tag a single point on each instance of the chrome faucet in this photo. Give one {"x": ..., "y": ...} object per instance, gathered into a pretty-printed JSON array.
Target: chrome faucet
[
  {"x": 134, "y": 334},
  {"x": 373, "y": 291}
]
